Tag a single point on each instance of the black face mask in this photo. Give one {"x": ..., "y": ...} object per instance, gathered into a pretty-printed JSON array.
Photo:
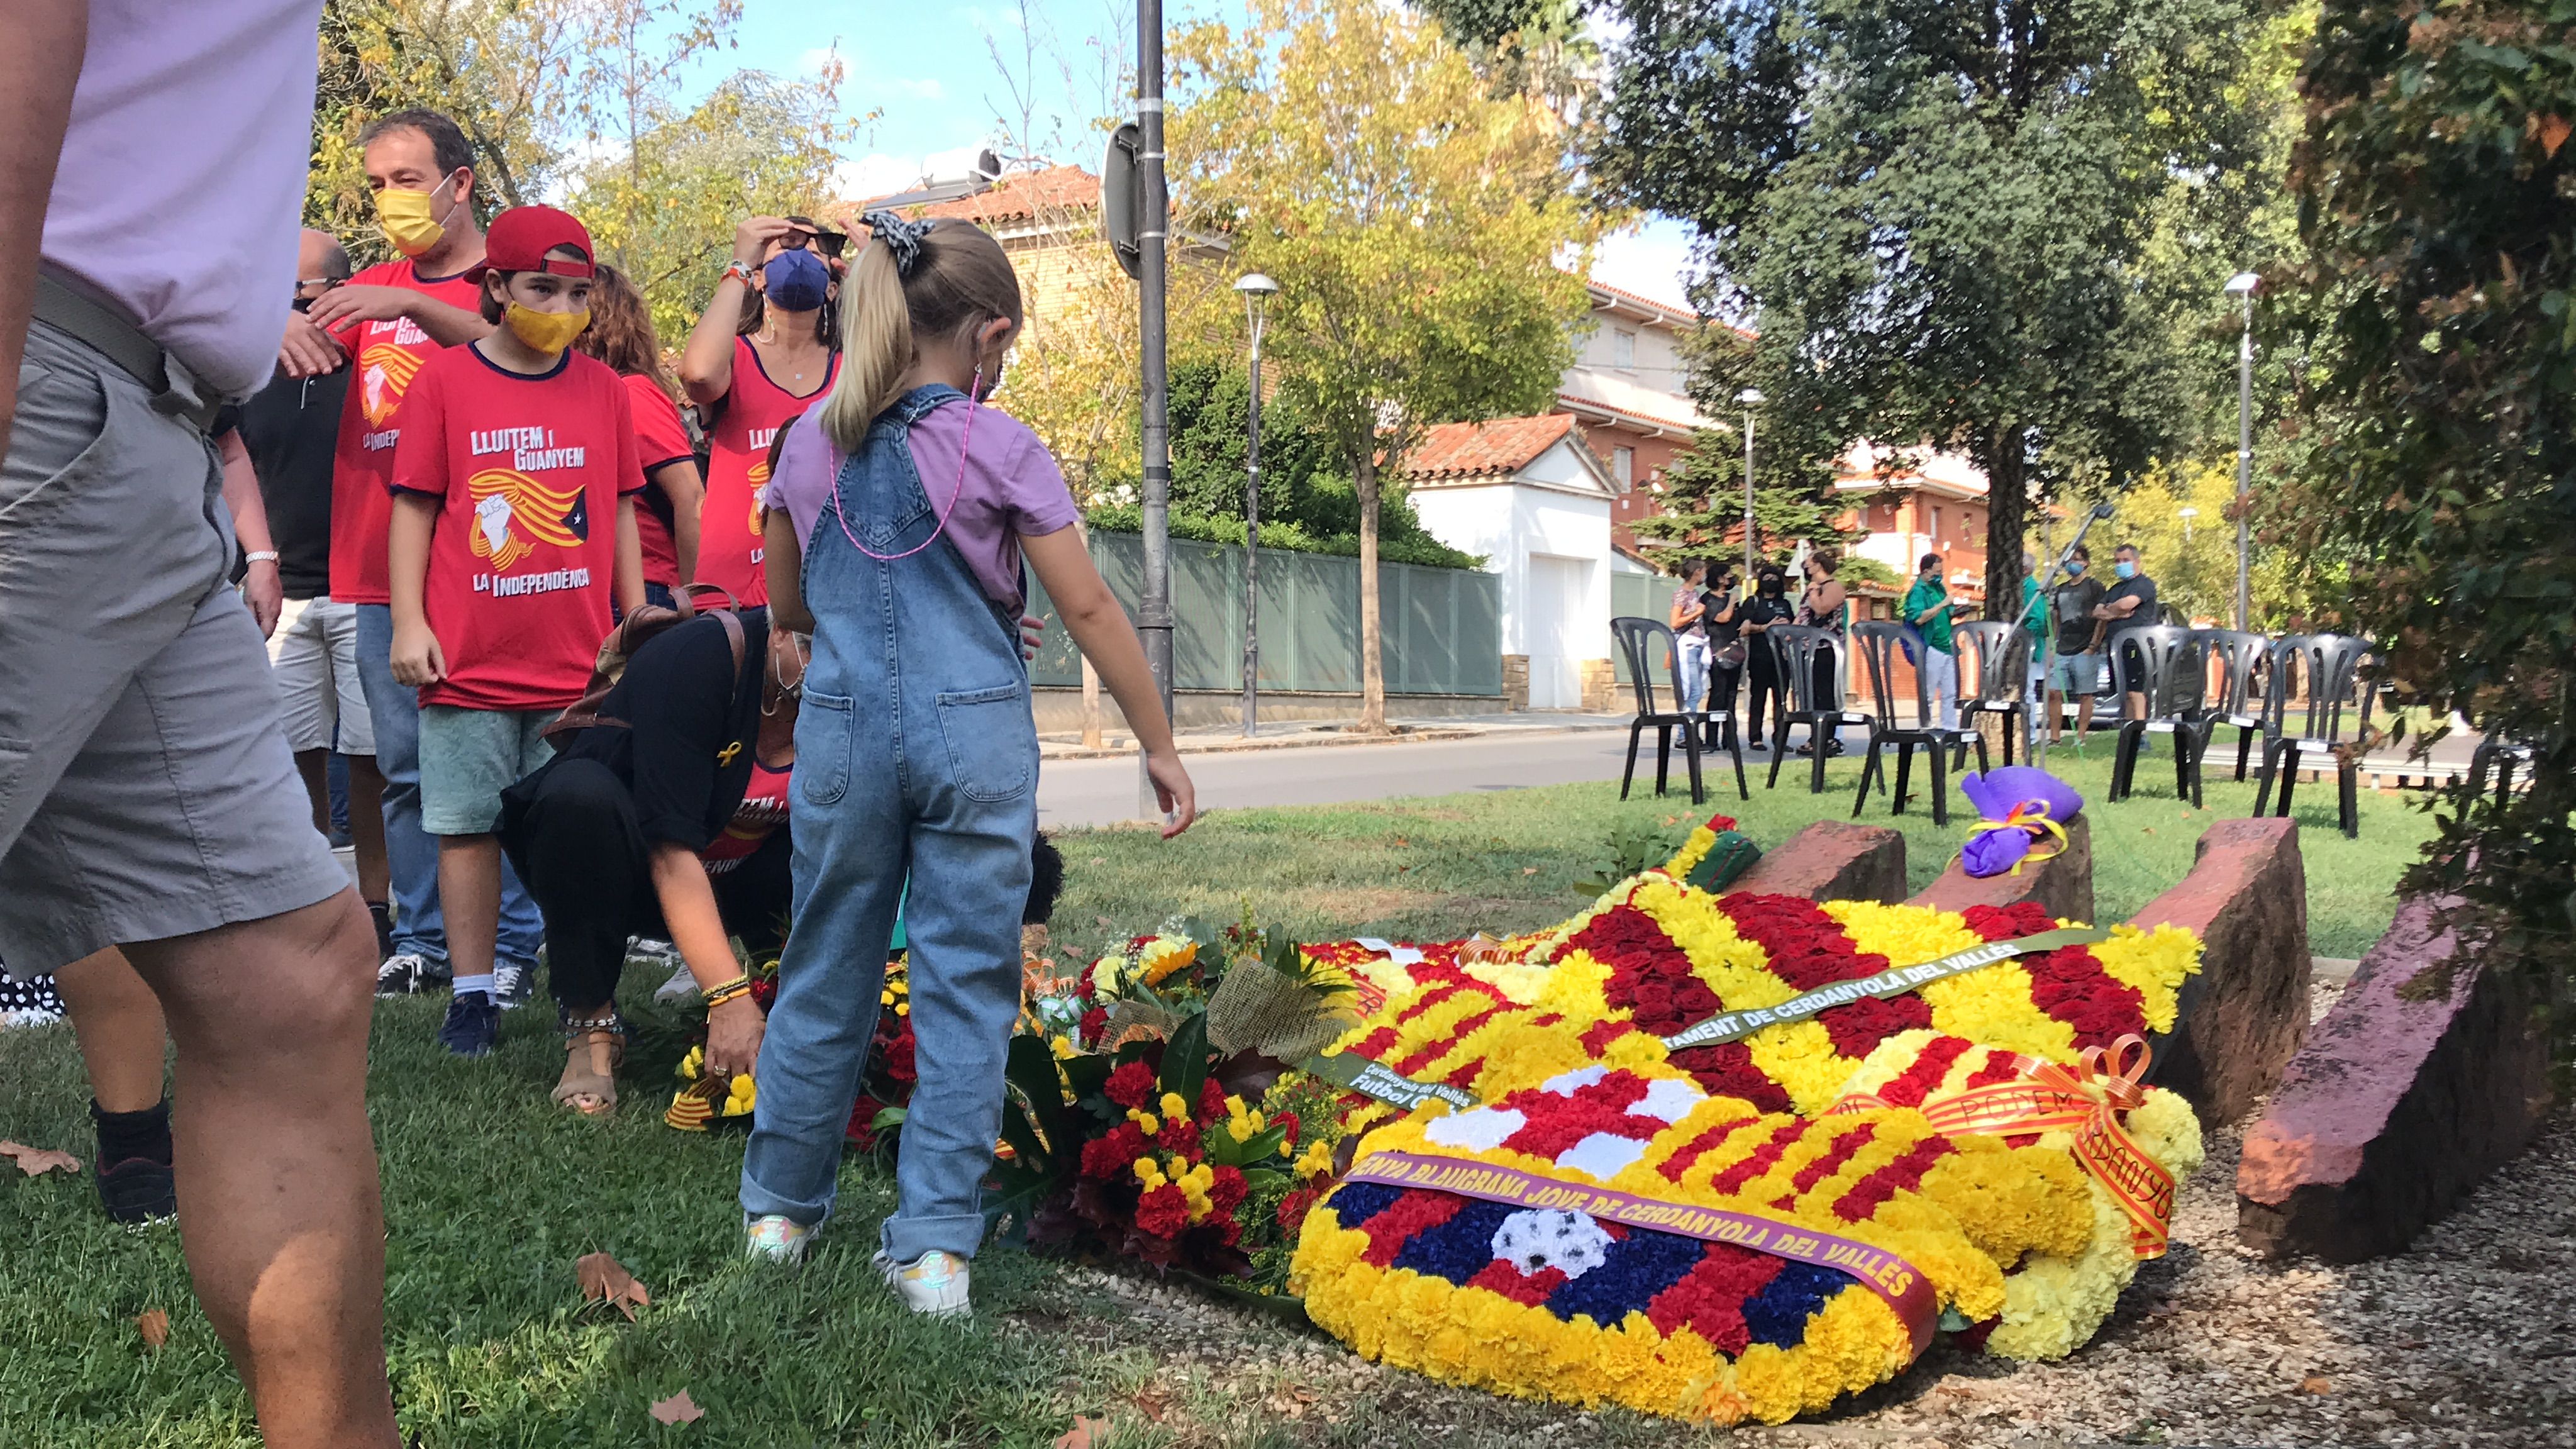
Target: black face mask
[{"x": 1772, "y": 585}]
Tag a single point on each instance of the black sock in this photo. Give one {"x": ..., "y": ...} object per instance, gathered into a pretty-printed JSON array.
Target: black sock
[{"x": 126, "y": 1135}]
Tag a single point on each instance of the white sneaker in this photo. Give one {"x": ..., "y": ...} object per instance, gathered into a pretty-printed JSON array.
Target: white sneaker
[
  {"x": 406, "y": 973},
  {"x": 934, "y": 1283},
  {"x": 776, "y": 1239},
  {"x": 662, "y": 953}
]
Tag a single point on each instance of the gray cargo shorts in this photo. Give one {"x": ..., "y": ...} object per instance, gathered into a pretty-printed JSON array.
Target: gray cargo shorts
[{"x": 146, "y": 790}]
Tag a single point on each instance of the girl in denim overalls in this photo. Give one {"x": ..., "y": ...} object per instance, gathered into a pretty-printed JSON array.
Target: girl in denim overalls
[{"x": 898, "y": 522}]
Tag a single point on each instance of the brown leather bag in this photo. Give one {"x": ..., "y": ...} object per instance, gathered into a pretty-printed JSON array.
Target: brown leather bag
[{"x": 620, "y": 645}]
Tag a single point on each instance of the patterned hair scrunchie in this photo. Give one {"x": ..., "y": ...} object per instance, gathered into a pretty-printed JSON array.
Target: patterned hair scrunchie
[{"x": 902, "y": 238}]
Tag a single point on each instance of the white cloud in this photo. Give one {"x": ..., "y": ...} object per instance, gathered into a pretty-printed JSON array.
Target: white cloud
[
  {"x": 876, "y": 174},
  {"x": 1651, "y": 260},
  {"x": 927, "y": 88}
]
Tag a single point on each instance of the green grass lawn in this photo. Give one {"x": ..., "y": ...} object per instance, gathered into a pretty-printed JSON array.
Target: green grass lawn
[{"x": 491, "y": 1193}]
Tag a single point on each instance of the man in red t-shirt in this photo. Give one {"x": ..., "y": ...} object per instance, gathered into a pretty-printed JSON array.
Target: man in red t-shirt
[
  {"x": 390, "y": 320},
  {"x": 513, "y": 516}
]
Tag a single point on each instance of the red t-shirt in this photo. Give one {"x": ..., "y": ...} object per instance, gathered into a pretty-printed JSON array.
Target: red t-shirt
[
  {"x": 729, "y": 547},
  {"x": 659, "y": 439},
  {"x": 387, "y": 357},
  {"x": 521, "y": 567},
  {"x": 763, "y": 810}
]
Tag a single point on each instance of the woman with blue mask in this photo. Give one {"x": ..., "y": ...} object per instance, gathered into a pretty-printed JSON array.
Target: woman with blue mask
[{"x": 767, "y": 346}]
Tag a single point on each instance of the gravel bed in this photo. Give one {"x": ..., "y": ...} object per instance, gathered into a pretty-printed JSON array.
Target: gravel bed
[{"x": 2467, "y": 1339}]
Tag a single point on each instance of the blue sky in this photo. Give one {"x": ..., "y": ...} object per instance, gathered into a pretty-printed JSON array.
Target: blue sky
[{"x": 930, "y": 68}]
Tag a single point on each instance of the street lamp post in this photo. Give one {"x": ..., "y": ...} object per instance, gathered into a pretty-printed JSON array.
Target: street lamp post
[
  {"x": 2241, "y": 286},
  {"x": 1751, "y": 397},
  {"x": 1257, "y": 290},
  {"x": 2186, "y": 515}
]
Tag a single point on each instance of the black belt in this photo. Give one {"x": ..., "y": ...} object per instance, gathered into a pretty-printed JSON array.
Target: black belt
[{"x": 175, "y": 390}]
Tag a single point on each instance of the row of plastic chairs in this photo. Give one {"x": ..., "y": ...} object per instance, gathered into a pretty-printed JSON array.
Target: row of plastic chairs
[{"x": 2297, "y": 695}]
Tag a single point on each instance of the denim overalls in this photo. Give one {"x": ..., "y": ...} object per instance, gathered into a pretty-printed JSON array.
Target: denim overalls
[{"x": 915, "y": 753}]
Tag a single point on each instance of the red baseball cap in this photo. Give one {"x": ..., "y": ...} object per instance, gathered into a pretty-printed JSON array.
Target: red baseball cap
[{"x": 518, "y": 240}]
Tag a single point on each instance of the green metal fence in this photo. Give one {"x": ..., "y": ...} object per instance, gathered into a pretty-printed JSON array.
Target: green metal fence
[{"x": 1440, "y": 629}]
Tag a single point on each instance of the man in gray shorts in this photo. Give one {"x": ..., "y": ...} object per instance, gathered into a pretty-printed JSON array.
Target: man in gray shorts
[{"x": 147, "y": 799}]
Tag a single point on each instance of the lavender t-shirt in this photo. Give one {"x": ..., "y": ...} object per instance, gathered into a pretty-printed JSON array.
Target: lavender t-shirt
[{"x": 1011, "y": 487}]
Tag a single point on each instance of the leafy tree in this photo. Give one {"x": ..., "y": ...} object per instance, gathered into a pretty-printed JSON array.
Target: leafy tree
[
  {"x": 1942, "y": 217},
  {"x": 1411, "y": 218},
  {"x": 2438, "y": 196},
  {"x": 1704, "y": 506}
]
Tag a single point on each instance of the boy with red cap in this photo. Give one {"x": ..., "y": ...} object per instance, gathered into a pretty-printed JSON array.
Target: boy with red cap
[{"x": 513, "y": 530}]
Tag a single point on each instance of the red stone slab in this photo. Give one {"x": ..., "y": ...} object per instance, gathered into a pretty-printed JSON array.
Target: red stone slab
[
  {"x": 1832, "y": 860},
  {"x": 2409, "y": 1092},
  {"x": 2063, "y": 883},
  {"x": 2246, "y": 1012}
]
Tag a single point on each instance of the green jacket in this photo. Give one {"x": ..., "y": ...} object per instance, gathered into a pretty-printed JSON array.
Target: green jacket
[
  {"x": 1936, "y": 630},
  {"x": 2034, "y": 619}
]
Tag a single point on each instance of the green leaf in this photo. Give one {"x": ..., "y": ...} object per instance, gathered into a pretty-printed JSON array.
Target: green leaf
[{"x": 1185, "y": 1060}]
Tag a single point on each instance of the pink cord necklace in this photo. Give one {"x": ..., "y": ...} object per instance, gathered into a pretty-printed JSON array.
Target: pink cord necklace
[{"x": 973, "y": 387}]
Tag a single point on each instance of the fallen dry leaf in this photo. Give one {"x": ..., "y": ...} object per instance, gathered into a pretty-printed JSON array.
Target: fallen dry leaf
[
  {"x": 2316, "y": 1384},
  {"x": 2553, "y": 133},
  {"x": 1086, "y": 1432},
  {"x": 1400, "y": 840},
  {"x": 37, "y": 1161},
  {"x": 605, "y": 1280},
  {"x": 677, "y": 1409},
  {"x": 1529, "y": 870},
  {"x": 154, "y": 1325}
]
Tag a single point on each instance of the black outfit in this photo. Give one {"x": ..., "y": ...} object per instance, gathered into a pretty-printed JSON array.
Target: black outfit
[
  {"x": 580, "y": 830},
  {"x": 1723, "y": 679},
  {"x": 2140, "y": 588},
  {"x": 291, "y": 429},
  {"x": 2075, "y": 622},
  {"x": 1761, "y": 669}
]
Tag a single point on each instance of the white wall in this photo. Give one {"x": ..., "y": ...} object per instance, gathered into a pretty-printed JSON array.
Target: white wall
[
  {"x": 1512, "y": 523},
  {"x": 1658, "y": 363}
]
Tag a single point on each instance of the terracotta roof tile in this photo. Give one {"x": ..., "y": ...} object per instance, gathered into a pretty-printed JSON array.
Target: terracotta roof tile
[
  {"x": 1484, "y": 450},
  {"x": 1015, "y": 197}
]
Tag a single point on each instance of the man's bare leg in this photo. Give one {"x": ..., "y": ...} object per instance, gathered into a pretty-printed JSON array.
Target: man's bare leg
[
  {"x": 2083, "y": 716},
  {"x": 315, "y": 767},
  {"x": 367, "y": 828},
  {"x": 279, "y": 1207},
  {"x": 118, "y": 1021}
]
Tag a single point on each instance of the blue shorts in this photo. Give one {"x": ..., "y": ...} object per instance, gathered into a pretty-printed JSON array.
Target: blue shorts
[
  {"x": 469, "y": 756},
  {"x": 2076, "y": 673}
]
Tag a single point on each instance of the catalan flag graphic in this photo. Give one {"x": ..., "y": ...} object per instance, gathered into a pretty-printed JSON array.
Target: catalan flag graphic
[
  {"x": 384, "y": 373},
  {"x": 759, "y": 477},
  {"x": 513, "y": 513}
]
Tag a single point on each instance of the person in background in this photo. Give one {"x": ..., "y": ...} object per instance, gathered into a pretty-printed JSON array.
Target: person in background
[
  {"x": 1755, "y": 617},
  {"x": 2130, "y": 603},
  {"x": 386, "y": 324},
  {"x": 513, "y": 534},
  {"x": 1724, "y": 603},
  {"x": 1928, "y": 607},
  {"x": 921, "y": 757},
  {"x": 764, "y": 349},
  {"x": 154, "y": 164},
  {"x": 1824, "y": 605},
  {"x": 666, "y": 517},
  {"x": 1689, "y": 619},
  {"x": 290, "y": 431},
  {"x": 2034, "y": 627},
  {"x": 2074, "y": 669}
]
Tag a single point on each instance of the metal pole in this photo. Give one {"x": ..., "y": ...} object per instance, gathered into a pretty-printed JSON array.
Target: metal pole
[
  {"x": 2245, "y": 469},
  {"x": 1252, "y": 542},
  {"x": 1748, "y": 498},
  {"x": 1154, "y": 209}
]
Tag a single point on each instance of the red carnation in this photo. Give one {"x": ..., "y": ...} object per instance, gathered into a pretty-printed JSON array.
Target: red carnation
[
  {"x": 1721, "y": 823},
  {"x": 1294, "y": 1207},
  {"x": 1094, "y": 1022},
  {"x": 1132, "y": 1086},
  {"x": 1226, "y": 1189},
  {"x": 1296, "y": 1128},
  {"x": 898, "y": 1057},
  {"x": 1163, "y": 1211},
  {"x": 1211, "y": 1100}
]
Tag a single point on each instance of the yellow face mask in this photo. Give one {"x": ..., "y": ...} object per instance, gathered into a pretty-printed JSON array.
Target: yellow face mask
[
  {"x": 407, "y": 219},
  {"x": 546, "y": 332}
]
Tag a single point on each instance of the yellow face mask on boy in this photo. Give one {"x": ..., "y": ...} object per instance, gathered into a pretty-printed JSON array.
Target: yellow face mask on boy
[
  {"x": 410, "y": 219},
  {"x": 546, "y": 332}
]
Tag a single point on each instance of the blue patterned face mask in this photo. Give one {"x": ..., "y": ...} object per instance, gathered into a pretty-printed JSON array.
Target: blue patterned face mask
[{"x": 795, "y": 281}]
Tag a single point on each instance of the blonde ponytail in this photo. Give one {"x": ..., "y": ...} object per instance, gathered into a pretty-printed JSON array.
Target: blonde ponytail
[
  {"x": 956, "y": 277},
  {"x": 876, "y": 349}
]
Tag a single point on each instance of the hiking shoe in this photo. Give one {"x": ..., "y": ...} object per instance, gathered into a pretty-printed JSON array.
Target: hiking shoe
[
  {"x": 473, "y": 1024},
  {"x": 513, "y": 986},
  {"x": 138, "y": 1190},
  {"x": 934, "y": 1283},
  {"x": 407, "y": 973},
  {"x": 776, "y": 1239}
]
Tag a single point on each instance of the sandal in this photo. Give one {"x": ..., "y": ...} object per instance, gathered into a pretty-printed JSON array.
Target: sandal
[{"x": 593, "y": 1051}]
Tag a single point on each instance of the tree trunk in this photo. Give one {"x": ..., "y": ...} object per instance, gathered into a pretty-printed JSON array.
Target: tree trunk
[
  {"x": 2007, "y": 512},
  {"x": 1372, "y": 661}
]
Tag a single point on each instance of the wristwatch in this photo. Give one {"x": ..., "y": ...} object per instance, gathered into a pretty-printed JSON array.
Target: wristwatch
[
  {"x": 260, "y": 555},
  {"x": 738, "y": 268}
]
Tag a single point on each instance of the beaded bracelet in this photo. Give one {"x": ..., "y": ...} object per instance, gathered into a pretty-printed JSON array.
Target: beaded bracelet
[{"x": 724, "y": 991}]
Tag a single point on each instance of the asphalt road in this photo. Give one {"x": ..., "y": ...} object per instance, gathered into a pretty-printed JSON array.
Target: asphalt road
[{"x": 1100, "y": 792}]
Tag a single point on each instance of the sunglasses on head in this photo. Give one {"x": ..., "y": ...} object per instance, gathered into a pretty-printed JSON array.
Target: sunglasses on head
[{"x": 304, "y": 303}]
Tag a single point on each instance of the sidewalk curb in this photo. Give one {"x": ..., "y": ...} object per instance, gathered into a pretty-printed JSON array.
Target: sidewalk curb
[{"x": 1324, "y": 740}]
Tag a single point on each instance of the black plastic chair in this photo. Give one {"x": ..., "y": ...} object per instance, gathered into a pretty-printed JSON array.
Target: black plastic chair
[
  {"x": 1796, "y": 650},
  {"x": 1641, "y": 640},
  {"x": 1878, "y": 643},
  {"x": 2001, "y": 653},
  {"x": 2159, "y": 664},
  {"x": 2501, "y": 754},
  {"x": 2334, "y": 719},
  {"x": 2236, "y": 701}
]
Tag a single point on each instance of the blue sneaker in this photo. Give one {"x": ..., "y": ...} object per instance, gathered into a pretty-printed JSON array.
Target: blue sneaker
[{"x": 473, "y": 1024}]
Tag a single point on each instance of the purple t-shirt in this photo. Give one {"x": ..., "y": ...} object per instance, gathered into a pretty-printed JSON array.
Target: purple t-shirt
[{"x": 1011, "y": 487}]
